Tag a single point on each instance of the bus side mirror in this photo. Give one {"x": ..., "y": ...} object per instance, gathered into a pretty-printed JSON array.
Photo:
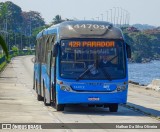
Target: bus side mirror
[
  {"x": 55, "y": 49},
  {"x": 128, "y": 49}
]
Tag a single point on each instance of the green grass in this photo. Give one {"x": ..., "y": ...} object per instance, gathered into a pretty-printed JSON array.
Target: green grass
[
  {"x": 1, "y": 55},
  {"x": 2, "y": 66}
]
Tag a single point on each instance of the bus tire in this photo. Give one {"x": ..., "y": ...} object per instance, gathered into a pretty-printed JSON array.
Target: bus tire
[
  {"x": 53, "y": 92},
  {"x": 34, "y": 81},
  {"x": 44, "y": 98},
  {"x": 45, "y": 101},
  {"x": 113, "y": 107},
  {"x": 59, "y": 107},
  {"x": 39, "y": 97}
]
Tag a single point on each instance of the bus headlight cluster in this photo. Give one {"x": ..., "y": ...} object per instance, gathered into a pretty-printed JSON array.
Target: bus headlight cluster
[
  {"x": 65, "y": 88},
  {"x": 121, "y": 87}
]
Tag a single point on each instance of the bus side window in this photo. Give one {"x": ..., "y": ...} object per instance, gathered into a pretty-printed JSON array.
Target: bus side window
[
  {"x": 36, "y": 52},
  {"x": 48, "y": 54},
  {"x": 52, "y": 46},
  {"x": 43, "y": 51},
  {"x": 46, "y": 49},
  {"x": 39, "y": 51}
]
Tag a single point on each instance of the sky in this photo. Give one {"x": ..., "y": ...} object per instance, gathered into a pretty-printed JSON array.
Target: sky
[{"x": 141, "y": 11}]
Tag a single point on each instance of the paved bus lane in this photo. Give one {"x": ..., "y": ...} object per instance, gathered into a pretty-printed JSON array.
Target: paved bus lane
[{"x": 18, "y": 103}]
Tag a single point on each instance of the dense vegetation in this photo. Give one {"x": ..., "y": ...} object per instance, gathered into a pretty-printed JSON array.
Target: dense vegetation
[
  {"x": 17, "y": 26},
  {"x": 20, "y": 28},
  {"x": 145, "y": 44},
  {"x": 3, "y": 46}
]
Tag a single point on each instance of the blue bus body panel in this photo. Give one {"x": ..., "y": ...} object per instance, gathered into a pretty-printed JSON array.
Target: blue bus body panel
[
  {"x": 97, "y": 92},
  {"x": 87, "y": 97},
  {"x": 65, "y": 97},
  {"x": 93, "y": 87},
  {"x": 45, "y": 77},
  {"x": 37, "y": 72}
]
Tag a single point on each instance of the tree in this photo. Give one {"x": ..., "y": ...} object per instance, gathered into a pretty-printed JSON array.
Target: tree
[
  {"x": 10, "y": 16},
  {"x": 31, "y": 20},
  {"x": 57, "y": 19},
  {"x": 15, "y": 50},
  {"x": 19, "y": 25},
  {"x": 143, "y": 45},
  {"x": 3, "y": 10},
  {"x": 3, "y": 45}
]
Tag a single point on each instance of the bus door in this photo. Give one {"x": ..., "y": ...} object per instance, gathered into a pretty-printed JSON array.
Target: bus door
[
  {"x": 36, "y": 67},
  {"x": 43, "y": 60},
  {"x": 49, "y": 62},
  {"x": 39, "y": 66}
]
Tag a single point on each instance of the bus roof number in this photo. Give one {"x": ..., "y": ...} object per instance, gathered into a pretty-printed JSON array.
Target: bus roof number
[{"x": 90, "y": 26}]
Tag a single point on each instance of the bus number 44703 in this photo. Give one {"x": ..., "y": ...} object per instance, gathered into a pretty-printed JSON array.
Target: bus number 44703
[{"x": 91, "y": 26}]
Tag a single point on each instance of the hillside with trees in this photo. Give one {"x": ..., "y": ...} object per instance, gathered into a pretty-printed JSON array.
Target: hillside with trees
[
  {"x": 143, "y": 26},
  {"x": 145, "y": 44}
]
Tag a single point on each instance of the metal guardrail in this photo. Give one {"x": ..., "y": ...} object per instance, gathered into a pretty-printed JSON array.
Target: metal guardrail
[{"x": 19, "y": 53}]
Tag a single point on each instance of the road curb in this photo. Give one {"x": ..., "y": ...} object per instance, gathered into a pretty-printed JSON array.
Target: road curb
[{"x": 136, "y": 109}]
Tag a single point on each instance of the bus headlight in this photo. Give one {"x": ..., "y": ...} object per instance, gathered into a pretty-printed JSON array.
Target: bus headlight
[
  {"x": 121, "y": 87},
  {"x": 65, "y": 88}
]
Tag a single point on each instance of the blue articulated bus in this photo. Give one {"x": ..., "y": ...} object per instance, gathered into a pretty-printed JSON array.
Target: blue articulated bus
[{"x": 81, "y": 62}]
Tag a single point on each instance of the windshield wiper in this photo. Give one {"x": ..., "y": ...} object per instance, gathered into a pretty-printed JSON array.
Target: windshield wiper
[
  {"x": 85, "y": 72},
  {"x": 89, "y": 68}
]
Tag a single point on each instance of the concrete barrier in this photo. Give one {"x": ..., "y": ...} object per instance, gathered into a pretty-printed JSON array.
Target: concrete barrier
[{"x": 155, "y": 84}]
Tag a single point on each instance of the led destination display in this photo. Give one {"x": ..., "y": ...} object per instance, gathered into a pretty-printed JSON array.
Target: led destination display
[{"x": 100, "y": 44}]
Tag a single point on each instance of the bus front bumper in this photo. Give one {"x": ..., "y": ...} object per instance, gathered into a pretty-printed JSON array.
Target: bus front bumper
[{"x": 65, "y": 97}]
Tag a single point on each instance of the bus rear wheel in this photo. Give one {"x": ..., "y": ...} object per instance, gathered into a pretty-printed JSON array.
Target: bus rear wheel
[
  {"x": 34, "y": 82},
  {"x": 39, "y": 97},
  {"x": 113, "y": 107},
  {"x": 45, "y": 101}
]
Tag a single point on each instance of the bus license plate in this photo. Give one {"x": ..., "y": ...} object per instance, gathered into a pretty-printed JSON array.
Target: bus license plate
[{"x": 93, "y": 99}]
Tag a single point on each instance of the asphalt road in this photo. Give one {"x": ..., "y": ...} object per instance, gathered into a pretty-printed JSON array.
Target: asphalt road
[{"x": 18, "y": 103}]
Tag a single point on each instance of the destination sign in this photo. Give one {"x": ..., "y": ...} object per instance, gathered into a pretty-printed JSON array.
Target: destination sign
[{"x": 100, "y": 44}]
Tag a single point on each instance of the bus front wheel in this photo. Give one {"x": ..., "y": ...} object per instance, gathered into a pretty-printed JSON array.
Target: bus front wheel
[
  {"x": 113, "y": 107},
  {"x": 59, "y": 107}
]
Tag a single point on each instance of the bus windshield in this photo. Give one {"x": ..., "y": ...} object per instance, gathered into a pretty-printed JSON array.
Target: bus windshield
[{"x": 92, "y": 59}]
